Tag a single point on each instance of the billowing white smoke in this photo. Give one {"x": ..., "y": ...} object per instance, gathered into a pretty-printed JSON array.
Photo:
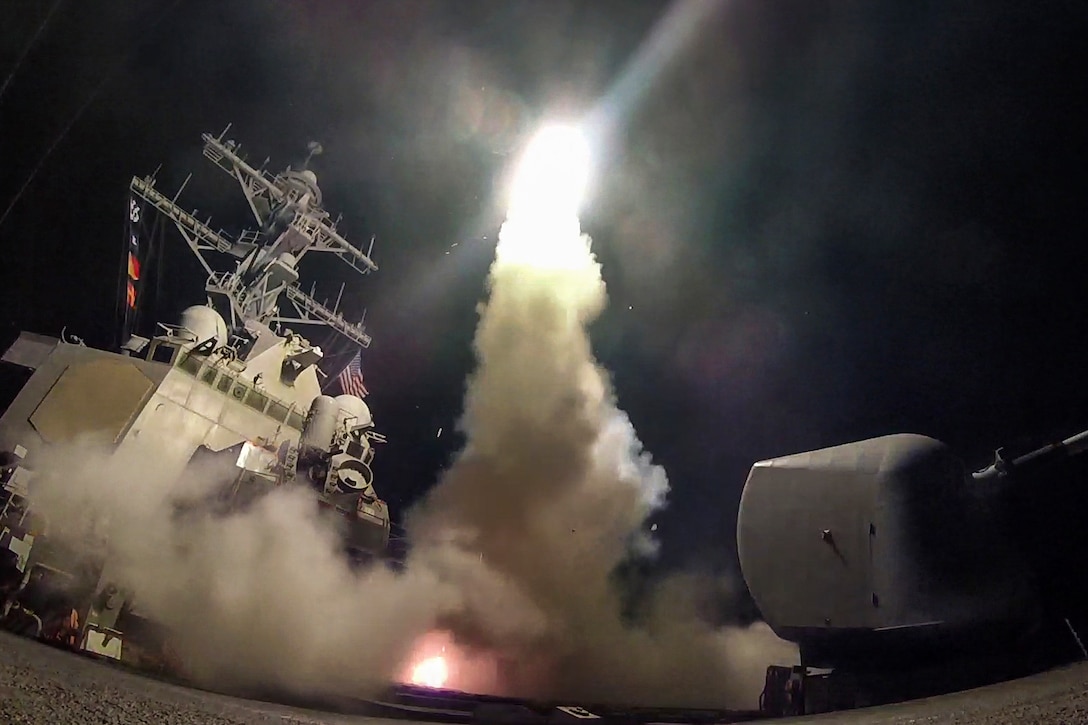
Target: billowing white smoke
[
  {"x": 513, "y": 550},
  {"x": 553, "y": 490},
  {"x": 261, "y": 598}
]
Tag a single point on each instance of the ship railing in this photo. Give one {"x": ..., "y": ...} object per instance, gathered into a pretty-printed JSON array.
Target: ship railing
[
  {"x": 307, "y": 305},
  {"x": 225, "y": 283},
  {"x": 200, "y": 230},
  {"x": 227, "y": 158},
  {"x": 242, "y": 391},
  {"x": 213, "y": 153},
  {"x": 311, "y": 223},
  {"x": 250, "y": 236}
]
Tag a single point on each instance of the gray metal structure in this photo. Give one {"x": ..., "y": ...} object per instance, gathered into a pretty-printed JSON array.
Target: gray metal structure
[
  {"x": 293, "y": 222},
  {"x": 234, "y": 383},
  {"x": 900, "y": 575},
  {"x": 860, "y": 550}
]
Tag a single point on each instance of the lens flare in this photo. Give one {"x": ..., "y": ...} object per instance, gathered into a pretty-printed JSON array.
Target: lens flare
[{"x": 431, "y": 672}]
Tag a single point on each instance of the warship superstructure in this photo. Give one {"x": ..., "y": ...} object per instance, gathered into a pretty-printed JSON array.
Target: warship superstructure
[{"x": 234, "y": 377}]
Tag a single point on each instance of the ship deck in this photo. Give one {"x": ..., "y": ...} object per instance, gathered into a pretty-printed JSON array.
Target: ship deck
[{"x": 39, "y": 684}]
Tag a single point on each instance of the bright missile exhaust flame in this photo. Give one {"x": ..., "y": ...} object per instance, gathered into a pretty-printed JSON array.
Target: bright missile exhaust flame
[
  {"x": 541, "y": 229},
  {"x": 438, "y": 661},
  {"x": 551, "y": 178},
  {"x": 431, "y": 672}
]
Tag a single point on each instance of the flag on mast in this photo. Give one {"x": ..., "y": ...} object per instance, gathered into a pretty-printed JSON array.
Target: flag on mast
[
  {"x": 133, "y": 266},
  {"x": 132, "y": 263},
  {"x": 351, "y": 378}
]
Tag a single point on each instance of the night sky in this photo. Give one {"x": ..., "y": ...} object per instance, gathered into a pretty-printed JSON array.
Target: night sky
[{"x": 819, "y": 221}]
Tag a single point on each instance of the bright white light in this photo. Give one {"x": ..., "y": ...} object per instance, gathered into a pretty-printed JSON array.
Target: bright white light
[
  {"x": 542, "y": 229},
  {"x": 551, "y": 178},
  {"x": 431, "y": 672}
]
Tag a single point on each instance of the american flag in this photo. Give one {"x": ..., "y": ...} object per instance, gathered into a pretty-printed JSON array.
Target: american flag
[{"x": 351, "y": 378}]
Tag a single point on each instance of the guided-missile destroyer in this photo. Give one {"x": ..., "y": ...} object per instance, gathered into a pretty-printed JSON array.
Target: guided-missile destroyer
[{"x": 234, "y": 377}]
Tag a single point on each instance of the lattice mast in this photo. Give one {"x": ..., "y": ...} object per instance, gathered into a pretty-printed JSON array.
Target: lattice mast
[{"x": 291, "y": 223}]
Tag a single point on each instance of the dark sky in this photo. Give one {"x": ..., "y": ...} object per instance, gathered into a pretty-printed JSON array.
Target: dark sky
[{"x": 820, "y": 221}]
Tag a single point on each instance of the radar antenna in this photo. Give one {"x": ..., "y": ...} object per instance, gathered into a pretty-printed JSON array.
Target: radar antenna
[{"x": 291, "y": 223}]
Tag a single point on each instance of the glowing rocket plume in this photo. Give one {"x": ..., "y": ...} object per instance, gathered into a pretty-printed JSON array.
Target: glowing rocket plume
[{"x": 553, "y": 488}]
